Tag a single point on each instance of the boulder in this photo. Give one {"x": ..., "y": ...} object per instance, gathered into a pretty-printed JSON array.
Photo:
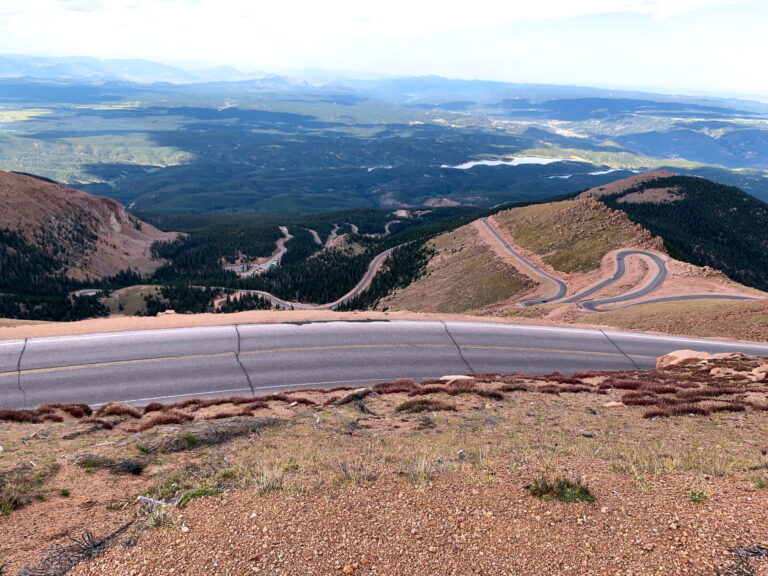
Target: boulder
[{"x": 686, "y": 357}]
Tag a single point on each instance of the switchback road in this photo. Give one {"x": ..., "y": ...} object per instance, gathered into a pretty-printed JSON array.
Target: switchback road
[{"x": 598, "y": 305}]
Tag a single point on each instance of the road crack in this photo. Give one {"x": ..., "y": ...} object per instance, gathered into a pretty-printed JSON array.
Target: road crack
[
  {"x": 240, "y": 363},
  {"x": 620, "y": 350},
  {"x": 18, "y": 370},
  {"x": 458, "y": 348}
]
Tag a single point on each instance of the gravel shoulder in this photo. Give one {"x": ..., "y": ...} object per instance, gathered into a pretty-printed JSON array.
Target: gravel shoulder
[{"x": 366, "y": 487}]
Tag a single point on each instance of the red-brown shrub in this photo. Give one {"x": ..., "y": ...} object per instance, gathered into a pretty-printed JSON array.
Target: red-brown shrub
[
  {"x": 423, "y": 405},
  {"x": 302, "y": 400},
  {"x": 395, "y": 387},
  {"x": 547, "y": 389},
  {"x": 586, "y": 374},
  {"x": 493, "y": 394},
  {"x": 426, "y": 390},
  {"x": 255, "y": 406},
  {"x": 154, "y": 407},
  {"x": 514, "y": 388},
  {"x": 184, "y": 404},
  {"x": 685, "y": 409},
  {"x": 276, "y": 397},
  {"x": 118, "y": 409},
  {"x": 574, "y": 388},
  {"x": 623, "y": 384},
  {"x": 461, "y": 387},
  {"x": 106, "y": 424},
  {"x": 658, "y": 388},
  {"x": 559, "y": 378},
  {"x": 21, "y": 416},
  {"x": 169, "y": 417},
  {"x": 74, "y": 410},
  {"x": 728, "y": 407},
  {"x": 222, "y": 415},
  {"x": 52, "y": 418},
  {"x": 638, "y": 400}
]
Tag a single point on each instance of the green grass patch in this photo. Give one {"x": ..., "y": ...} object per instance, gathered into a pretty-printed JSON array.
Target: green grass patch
[
  {"x": 563, "y": 489},
  {"x": 196, "y": 493}
]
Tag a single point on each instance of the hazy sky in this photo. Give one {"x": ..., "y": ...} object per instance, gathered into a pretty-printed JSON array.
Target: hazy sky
[{"x": 683, "y": 45}]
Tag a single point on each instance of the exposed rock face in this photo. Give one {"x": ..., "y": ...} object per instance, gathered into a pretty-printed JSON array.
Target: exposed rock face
[
  {"x": 626, "y": 184},
  {"x": 685, "y": 357},
  {"x": 91, "y": 235}
]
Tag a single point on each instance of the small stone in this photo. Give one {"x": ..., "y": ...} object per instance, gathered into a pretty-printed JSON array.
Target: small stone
[
  {"x": 587, "y": 433},
  {"x": 348, "y": 569},
  {"x": 614, "y": 405},
  {"x": 185, "y": 529},
  {"x": 433, "y": 549},
  {"x": 604, "y": 510}
]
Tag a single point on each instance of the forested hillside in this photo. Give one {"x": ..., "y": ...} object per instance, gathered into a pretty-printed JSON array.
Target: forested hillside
[
  {"x": 707, "y": 224},
  {"x": 34, "y": 287}
]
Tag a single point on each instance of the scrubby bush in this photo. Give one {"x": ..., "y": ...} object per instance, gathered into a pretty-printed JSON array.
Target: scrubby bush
[
  {"x": 424, "y": 405},
  {"x": 563, "y": 489},
  {"x": 118, "y": 409}
]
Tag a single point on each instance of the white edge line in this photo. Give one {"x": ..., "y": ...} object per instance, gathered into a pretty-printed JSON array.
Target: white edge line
[
  {"x": 132, "y": 333},
  {"x": 350, "y": 323}
]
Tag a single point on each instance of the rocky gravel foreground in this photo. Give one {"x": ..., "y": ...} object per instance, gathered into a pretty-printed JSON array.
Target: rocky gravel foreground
[{"x": 437, "y": 478}]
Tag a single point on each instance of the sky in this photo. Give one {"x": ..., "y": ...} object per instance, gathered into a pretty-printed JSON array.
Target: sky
[{"x": 686, "y": 46}]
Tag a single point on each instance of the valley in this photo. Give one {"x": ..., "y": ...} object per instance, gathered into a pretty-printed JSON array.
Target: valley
[
  {"x": 383, "y": 289},
  {"x": 262, "y": 324}
]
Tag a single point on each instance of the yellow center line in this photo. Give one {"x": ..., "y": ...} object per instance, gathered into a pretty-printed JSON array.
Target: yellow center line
[
  {"x": 344, "y": 347},
  {"x": 555, "y": 351},
  {"x": 316, "y": 349},
  {"x": 117, "y": 363}
]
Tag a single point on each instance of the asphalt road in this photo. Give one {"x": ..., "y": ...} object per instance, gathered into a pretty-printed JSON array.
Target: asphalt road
[
  {"x": 562, "y": 287},
  {"x": 621, "y": 269},
  {"x": 167, "y": 365},
  {"x": 362, "y": 285}
]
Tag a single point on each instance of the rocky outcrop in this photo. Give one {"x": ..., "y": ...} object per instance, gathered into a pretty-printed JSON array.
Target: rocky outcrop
[
  {"x": 686, "y": 357},
  {"x": 91, "y": 235},
  {"x": 624, "y": 184}
]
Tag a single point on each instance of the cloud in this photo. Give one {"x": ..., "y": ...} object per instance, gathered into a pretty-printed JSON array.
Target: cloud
[{"x": 84, "y": 5}]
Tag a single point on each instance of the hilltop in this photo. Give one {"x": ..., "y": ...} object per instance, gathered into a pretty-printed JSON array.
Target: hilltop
[
  {"x": 701, "y": 222},
  {"x": 90, "y": 235}
]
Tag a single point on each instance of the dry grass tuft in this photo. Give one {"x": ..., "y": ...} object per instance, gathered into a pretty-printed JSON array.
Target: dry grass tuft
[
  {"x": 105, "y": 424},
  {"x": 168, "y": 418},
  {"x": 118, "y": 409},
  {"x": 424, "y": 405},
  {"x": 395, "y": 387},
  {"x": 20, "y": 416}
]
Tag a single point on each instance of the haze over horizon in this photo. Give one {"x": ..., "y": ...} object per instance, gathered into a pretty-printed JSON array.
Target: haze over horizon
[{"x": 688, "y": 46}]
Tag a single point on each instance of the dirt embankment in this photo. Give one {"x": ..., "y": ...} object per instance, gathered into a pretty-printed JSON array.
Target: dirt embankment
[{"x": 488, "y": 475}]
